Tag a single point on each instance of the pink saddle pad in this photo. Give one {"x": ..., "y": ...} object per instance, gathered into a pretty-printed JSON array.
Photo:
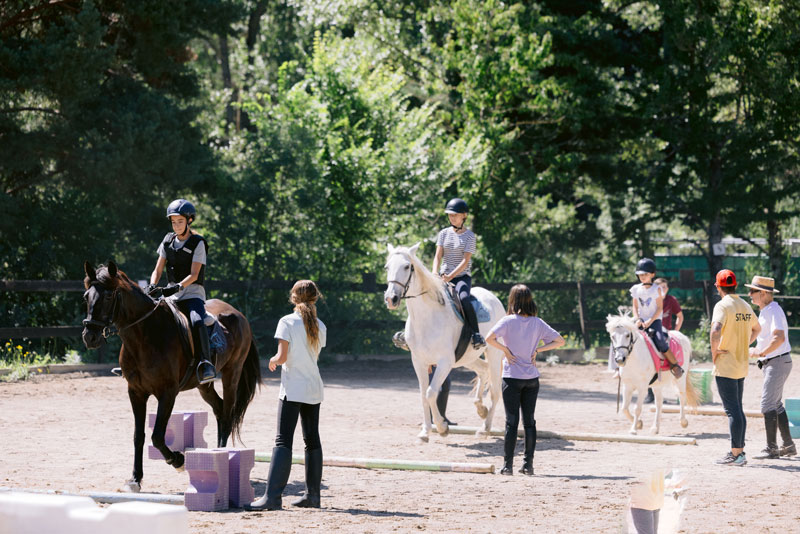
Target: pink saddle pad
[{"x": 662, "y": 364}]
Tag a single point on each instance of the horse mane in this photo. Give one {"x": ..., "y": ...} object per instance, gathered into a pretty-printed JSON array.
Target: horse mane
[
  {"x": 430, "y": 283},
  {"x": 122, "y": 281},
  {"x": 620, "y": 321}
]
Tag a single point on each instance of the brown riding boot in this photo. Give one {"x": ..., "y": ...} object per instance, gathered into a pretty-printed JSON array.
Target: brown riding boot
[{"x": 674, "y": 368}]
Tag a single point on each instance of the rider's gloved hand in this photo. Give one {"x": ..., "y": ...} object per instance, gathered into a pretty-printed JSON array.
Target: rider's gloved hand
[
  {"x": 171, "y": 289},
  {"x": 150, "y": 289}
]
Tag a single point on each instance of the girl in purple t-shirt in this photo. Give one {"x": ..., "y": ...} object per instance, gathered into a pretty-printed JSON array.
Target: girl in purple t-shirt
[{"x": 521, "y": 331}]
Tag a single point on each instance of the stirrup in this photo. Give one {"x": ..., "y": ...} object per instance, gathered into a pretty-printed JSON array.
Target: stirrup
[
  {"x": 205, "y": 379},
  {"x": 677, "y": 374},
  {"x": 478, "y": 342}
]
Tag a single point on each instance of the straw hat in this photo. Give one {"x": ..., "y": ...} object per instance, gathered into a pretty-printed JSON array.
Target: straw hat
[{"x": 763, "y": 283}]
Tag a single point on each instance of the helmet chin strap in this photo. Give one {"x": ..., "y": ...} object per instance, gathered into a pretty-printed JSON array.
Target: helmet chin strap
[{"x": 458, "y": 227}]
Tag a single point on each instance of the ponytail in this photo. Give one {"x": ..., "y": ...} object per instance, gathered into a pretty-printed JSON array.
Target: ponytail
[{"x": 304, "y": 297}]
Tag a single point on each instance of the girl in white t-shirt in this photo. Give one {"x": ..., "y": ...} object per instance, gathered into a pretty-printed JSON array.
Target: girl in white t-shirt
[
  {"x": 301, "y": 336},
  {"x": 648, "y": 306}
]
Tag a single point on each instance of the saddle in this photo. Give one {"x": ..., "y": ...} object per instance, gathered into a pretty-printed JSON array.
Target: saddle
[
  {"x": 465, "y": 338},
  {"x": 217, "y": 336}
]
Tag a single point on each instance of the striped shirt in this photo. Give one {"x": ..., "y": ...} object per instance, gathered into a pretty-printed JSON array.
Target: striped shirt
[{"x": 455, "y": 246}]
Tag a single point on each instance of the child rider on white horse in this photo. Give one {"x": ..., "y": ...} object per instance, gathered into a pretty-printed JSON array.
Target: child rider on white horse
[{"x": 648, "y": 304}]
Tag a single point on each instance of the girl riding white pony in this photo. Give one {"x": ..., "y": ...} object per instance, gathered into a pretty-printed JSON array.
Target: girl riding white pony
[
  {"x": 637, "y": 369},
  {"x": 432, "y": 333}
]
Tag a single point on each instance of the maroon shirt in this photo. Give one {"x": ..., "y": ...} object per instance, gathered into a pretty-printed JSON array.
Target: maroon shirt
[{"x": 671, "y": 307}]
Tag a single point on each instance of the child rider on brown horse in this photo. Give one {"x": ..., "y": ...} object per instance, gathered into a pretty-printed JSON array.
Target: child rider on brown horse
[{"x": 183, "y": 252}]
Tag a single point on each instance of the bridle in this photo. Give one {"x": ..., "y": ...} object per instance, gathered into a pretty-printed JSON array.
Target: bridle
[
  {"x": 405, "y": 286},
  {"x": 108, "y": 328},
  {"x": 628, "y": 348}
]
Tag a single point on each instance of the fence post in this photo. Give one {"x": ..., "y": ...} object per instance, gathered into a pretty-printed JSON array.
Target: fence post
[
  {"x": 582, "y": 316},
  {"x": 707, "y": 297}
]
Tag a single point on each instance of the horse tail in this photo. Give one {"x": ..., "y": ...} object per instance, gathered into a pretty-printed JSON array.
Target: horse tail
[
  {"x": 692, "y": 398},
  {"x": 249, "y": 381}
]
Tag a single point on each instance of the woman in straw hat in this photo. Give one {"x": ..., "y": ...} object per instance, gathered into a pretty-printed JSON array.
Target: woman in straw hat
[{"x": 772, "y": 350}]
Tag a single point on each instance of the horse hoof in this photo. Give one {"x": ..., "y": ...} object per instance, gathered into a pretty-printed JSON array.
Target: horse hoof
[
  {"x": 422, "y": 439},
  {"x": 483, "y": 411},
  {"x": 444, "y": 432},
  {"x": 684, "y": 423},
  {"x": 632, "y": 432},
  {"x": 654, "y": 431},
  {"x": 131, "y": 486},
  {"x": 481, "y": 434},
  {"x": 639, "y": 425}
]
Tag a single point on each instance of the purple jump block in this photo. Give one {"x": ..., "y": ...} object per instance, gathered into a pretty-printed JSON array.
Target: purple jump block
[
  {"x": 208, "y": 480},
  {"x": 240, "y": 463},
  {"x": 184, "y": 431}
]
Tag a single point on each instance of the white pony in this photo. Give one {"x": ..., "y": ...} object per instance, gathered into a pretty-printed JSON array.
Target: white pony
[
  {"x": 636, "y": 369},
  {"x": 432, "y": 333}
]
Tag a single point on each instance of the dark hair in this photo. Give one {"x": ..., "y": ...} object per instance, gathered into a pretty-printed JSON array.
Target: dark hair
[
  {"x": 728, "y": 290},
  {"x": 304, "y": 297},
  {"x": 520, "y": 301},
  {"x": 661, "y": 281}
]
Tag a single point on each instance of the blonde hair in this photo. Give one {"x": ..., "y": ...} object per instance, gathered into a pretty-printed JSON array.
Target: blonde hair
[{"x": 304, "y": 297}]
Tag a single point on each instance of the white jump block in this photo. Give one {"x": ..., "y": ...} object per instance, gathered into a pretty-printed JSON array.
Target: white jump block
[
  {"x": 240, "y": 463},
  {"x": 34, "y": 513},
  {"x": 209, "y": 487},
  {"x": 184, "y": 431}
]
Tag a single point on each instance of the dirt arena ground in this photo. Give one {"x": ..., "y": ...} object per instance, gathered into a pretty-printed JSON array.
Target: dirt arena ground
[{"x": 74, "y": 433}]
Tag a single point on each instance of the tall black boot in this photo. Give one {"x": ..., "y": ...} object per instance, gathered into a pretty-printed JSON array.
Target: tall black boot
[
  {"x": 771, "y": 425},
  {"x": 509, "y": 444},
  {"x": 789, "y": 448},
  {"x": 472, "y": 320},
  {"x": 530, "y": 448},
  {"x": 280, "y": 467},
  {"x": 441, "y": 400},
  {"x": 202, "y": 353},
  {"x": 313, "y": 480}
]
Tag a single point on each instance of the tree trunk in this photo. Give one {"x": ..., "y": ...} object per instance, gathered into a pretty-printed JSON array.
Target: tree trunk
[
  {"x": 231, "y": 111},
  {"x": 777, "y": 256}
]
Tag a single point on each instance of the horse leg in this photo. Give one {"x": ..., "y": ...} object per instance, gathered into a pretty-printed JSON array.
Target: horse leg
[
  {"x": 658, "y": 396},
  {"x": 139, "y": 406},
  {"x": 432, "y": 393},
  {"x": 165, "y": 404},
  {"x": 209, "y": 394},
  {"x": 422, "y": 377},
  {"x": 637, "y": 413},
  {"x": 495, "y": 364},
  {"x": 480, "y": 369},
  {"x": 627, "y": 393}
]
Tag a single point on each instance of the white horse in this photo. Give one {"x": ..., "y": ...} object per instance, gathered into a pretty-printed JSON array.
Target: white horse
[
  {"x": 636, "y": 369},
  {"x": 432, "y": 333}
]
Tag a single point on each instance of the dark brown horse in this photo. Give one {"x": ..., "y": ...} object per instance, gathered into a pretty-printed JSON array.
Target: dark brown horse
[{"x": 154, "y": 360}]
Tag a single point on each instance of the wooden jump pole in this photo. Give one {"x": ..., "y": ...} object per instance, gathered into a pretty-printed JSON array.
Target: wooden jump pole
[
  {"x": 705, "y": 411},
  {"x": 382, "y": 463},
  {"x": 586, "y": 436}
]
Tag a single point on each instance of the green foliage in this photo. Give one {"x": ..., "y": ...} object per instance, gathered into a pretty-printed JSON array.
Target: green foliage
[
  {"x": 17, "y": 359},
  {"x": 701, "y": 346}
]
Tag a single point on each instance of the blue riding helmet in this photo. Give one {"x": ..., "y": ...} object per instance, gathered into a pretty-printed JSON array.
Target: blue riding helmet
[
  {"x": 646, "y": 265},
  {"x": 182, "y": 207},
  {"x": 456, "y": 205}
]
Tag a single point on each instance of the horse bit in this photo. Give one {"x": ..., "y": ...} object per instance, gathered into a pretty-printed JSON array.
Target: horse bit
[{"x": 628, "y": 349}]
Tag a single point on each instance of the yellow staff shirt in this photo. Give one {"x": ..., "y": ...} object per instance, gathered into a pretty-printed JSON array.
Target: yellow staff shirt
[{"x": 738, "y": 320}]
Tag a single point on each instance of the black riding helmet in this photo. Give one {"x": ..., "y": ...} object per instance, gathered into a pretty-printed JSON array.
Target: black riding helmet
[
  {"x": 646, "y": 265},
  {"x": 456, "y": 205},
  {"x": 183, "y": 207}
]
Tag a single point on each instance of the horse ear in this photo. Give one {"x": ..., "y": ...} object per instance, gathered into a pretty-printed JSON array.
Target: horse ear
[
  {"x": 390, "y": 248},
  {"x": 87, "y": 267},
  {"x": 413, "y": 250},
  {"x": 112, "y": 269}
]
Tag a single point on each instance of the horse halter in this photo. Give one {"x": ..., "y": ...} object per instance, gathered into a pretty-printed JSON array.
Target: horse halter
[{"x": 406, "y": 285}]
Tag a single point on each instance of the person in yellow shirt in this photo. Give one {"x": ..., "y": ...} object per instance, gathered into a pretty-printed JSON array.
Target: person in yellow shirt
[{"x": 734, "y": 326}]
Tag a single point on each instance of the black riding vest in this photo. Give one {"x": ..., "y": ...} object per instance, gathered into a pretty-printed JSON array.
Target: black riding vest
[{"x": 179, "y": 261}]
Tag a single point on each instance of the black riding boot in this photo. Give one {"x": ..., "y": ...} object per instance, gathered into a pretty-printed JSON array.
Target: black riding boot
[
  {"x": 530, "y": 447},
  {"x": 313, "y": 480},
  {"x": 202, "y": 353},
  {"x": 771, "y": 450},
  {"x": 472, "y": 320},
  {"x": 789, "y": 448},
  {"x": 441, "y": 401},
  {"x": 280, "y": 467},
  {"x": 509, "y": 444}
]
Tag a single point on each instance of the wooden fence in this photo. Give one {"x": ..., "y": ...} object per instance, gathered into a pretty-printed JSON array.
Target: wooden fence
[{"x": 583, "y": 324}]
